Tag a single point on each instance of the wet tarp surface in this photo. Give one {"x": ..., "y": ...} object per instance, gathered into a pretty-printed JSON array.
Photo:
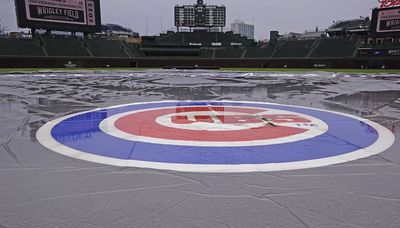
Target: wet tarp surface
[{"x": 40, "y": 188}]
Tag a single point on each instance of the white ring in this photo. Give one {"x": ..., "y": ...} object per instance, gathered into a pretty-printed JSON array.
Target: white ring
[{"x": 385, "y": 140}]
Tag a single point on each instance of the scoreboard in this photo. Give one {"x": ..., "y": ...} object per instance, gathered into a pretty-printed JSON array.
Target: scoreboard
[
  {"x": 386, "y": 21},
  {"x": 200, "y": 15},
  {"x": 63, "y": 15}
]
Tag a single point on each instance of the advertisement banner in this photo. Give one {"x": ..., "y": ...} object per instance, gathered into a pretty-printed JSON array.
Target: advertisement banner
[
  {"x": 388, "y": 20},
  {"x": 388, "y": 3},
  {"x": 79, "y": 12}
]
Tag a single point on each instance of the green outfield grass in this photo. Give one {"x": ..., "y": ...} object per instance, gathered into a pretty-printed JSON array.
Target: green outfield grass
[{"x": 347, "y": 71}]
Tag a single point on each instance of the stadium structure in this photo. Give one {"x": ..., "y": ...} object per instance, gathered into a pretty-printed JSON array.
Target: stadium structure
[{"x": 199, "y": 41}]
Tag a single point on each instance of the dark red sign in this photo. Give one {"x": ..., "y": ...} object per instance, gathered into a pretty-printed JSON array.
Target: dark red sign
[{"x": 388, "y": 3}]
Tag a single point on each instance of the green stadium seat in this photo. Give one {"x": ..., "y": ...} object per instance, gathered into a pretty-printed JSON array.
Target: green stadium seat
[
  {"x": 106, "y": 48},
  {"x": 335, "y": 47},
  {"x": 294, "y": 48},
  {"x": 20, "y": 47},
  {"x": 64, "y": 47},
  {"x": 229, "y": 53}
]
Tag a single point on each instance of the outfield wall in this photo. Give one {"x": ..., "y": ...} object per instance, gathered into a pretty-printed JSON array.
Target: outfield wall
[{"x": 59, "y": 62}]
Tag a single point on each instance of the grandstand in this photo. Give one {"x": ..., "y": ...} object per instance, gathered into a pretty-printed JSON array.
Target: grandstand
[
  {"x": 257, "y": 52},
  {"x": 191, "y": 44},
  {"x": 336, "y": 47},
  {"x": 346, "y": 43},
  {"x": 229, "y": 53},
  {"x": 134, "y": 50},
  {"x": 200, "y": 37},
  {"x": 20, "y": 47},
  {"x": 64, "y": 46},
  {"x": 295, "y": 48},
  {"x": 170, "y": 51},
  {"x": 107, "y": 48}
]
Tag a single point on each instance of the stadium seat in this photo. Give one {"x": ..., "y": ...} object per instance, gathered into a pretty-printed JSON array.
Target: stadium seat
[
  {"x": 20, "y": 47},
  {"x": 256, "y": 52},
  {"x": 294, "y": 48},
  {"x": 229, "y": 53},
  {"x": 106, "y": 48},
  {"x": 64, "y": 46},
  {"x": 335, "y": 47}
]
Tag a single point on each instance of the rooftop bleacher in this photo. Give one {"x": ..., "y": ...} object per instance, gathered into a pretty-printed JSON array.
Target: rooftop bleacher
[
  {"x": 350, "y": 24},
  {"x": 357, "y": 26}
]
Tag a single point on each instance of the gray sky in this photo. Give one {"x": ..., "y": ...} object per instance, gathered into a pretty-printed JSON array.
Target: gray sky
[{"x": 285, "y": 16}]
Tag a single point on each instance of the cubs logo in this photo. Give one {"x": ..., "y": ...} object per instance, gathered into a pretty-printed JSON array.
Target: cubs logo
[{"x": 213, "y": 136}]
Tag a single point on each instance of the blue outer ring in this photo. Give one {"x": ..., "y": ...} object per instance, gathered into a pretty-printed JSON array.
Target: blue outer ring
[{"x": 345, "y": 135}]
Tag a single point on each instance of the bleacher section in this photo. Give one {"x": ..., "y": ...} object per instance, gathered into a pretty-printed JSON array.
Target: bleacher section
[
  {"x": 335, "y": 47},
  {"x": 18, "y": 47},
  {"x": 228, "y": 38},
  {"x": 135, "y": 51},
  {"x": 106, "y": 48},
  {"x": 206, "y": 53},
  {"x": 170, "y": 51},
  {"x": 229, "y": 53},
  {"x": 206, "y": 39},
  {"x": 64, "y": 47},
  {"x": 296, "y": 48},
  {"x": 171, "y": 37},
  {"x": 261, "y": 52}
]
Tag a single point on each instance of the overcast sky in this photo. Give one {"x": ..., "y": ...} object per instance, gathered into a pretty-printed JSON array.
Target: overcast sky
[{"x": 149, "y": 17}]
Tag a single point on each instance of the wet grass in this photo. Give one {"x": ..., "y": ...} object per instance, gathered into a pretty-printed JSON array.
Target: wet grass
[{"x": 347, "y": 71}]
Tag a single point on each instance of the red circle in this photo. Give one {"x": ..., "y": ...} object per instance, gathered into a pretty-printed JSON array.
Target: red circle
[{"x": 144, "y": 124}]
